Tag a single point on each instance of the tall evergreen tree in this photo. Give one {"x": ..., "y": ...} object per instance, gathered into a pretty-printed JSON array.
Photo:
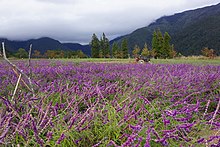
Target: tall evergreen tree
[
  {"x": 161, "y": 47},
  {"x": 101, "y": 47},
  {"x": 124, "y": 48},
  {"x": 153, "y": 53},
  {"x": 106, "y": 46},
  {"x": 115, "y": 50},
  {"x": 95, "y": 45},
  {"x": 101, "y": 55},
  {"x": 155, "y": 42},
  {"x": 160, "y": 41},
  {"x": 166, "y": 46},
  {"x": 145, "y": 51}
]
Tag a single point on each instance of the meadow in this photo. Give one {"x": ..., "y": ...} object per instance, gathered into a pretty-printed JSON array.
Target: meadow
[
  {"x": 93, "y": 102},
  {"x": 195, "y": 60}
]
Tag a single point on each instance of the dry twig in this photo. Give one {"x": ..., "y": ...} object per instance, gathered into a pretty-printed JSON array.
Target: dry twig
[
  {"x": 18, "y": 69},
  {"x": 16, "y": 87},
  {"x": 29, "y": 61},
  {"x": 216, "y": 111}
]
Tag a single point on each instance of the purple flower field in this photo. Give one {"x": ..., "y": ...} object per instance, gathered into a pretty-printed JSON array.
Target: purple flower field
[{"x": 110, "y": 104}]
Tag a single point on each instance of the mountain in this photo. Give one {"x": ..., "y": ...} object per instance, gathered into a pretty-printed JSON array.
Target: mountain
[
  {"x": 190, "y": 31},
  {"x": 46, "y": 43},
  {"x": 43, "y": 44},
  {"x": 86, "y": 49}
]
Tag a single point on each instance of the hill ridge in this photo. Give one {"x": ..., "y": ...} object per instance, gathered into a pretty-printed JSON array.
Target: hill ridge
[{"x": 190, "y": 30}]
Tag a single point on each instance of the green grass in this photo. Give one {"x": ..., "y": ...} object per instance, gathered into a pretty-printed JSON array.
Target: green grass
[
  {"x": 192, "y": 60},
  {"x": 185, "y": 60}
]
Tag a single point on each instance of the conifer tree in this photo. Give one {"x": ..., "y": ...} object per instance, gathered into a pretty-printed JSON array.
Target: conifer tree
[
  {"x": 154, "y": 40},
  {"x": 166, "y": 46},
  {"x": 154, "y": 45},
  {"x": 161, "y": 47},
  {"x": 153, "y": 53},
  {"x": 106, "y": 46},
  {"x": 95, "y": 45},
  {"x": 101, "y": 53},
  {"x": 115, "y": 50},
  {"x": 145, "y": 51},
  {"x": 160, "y": 41},
  {"x": 124, "y": 48},
  {"x": 101, "y": 47}
]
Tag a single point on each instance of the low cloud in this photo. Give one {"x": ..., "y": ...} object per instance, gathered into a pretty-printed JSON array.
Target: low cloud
[{"x": 77, "y": 20}]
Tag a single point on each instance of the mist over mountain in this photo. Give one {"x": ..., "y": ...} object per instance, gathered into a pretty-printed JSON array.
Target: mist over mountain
[
  {"x": 43, "y": 44},
  {"x": 86, "y": 49},
  {"x": 190, "y": 31}
]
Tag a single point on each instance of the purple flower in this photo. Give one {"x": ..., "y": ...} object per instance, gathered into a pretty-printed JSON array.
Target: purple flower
[
  {"x": 165, "y": 143},
  {"x": 211, "y": 138},
  {"x": 148, "y": 138},
  {"x": 136, "y": 128},
  {"x": 201, "y": 140},
  {"x": 171, "y": 113},
  {"x": 62, "y": 137},
  {"x": 49, "y": 135},
  {"x": 77, "y": 141},
  {"x": 139, "y": 142},
  {"x": 129, "y": 140},
  {"x": 166, "y": 121},
  {"x": 112, "y": 143},
  {"x": 169, "y": 131},
  {"x": 185, "y": 126}
]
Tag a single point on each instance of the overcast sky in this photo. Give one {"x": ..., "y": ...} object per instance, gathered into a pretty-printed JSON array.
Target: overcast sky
[{"x": 77, "y": 20}]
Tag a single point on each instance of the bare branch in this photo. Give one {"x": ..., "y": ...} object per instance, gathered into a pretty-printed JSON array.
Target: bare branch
[
  {"x": 21, "y": 79},
  {"x": 3, "y": 48},
  {"x": 16, "y": 87},
  {"x": 216, "y": 111},
  {"x": 18, "y": 69},
  {"x": 206, "y": 109},
  {"x": 29, "y": 60}
]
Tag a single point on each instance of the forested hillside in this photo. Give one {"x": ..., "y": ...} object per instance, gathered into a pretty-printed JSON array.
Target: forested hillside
[{"x": 190, "y": 31}]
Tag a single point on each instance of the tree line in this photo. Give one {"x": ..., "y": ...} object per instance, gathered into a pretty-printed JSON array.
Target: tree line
[
  {"x": 100, "y": 48},
  {"x": 161, "y": 47},
  {"x": 22, "y": 53}
]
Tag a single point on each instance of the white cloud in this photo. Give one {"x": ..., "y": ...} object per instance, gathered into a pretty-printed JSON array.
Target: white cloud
[{"x": 76, "y": 20}]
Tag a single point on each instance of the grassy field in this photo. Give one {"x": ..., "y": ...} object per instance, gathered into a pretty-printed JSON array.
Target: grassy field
[{"x": 197, "y": 61}]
